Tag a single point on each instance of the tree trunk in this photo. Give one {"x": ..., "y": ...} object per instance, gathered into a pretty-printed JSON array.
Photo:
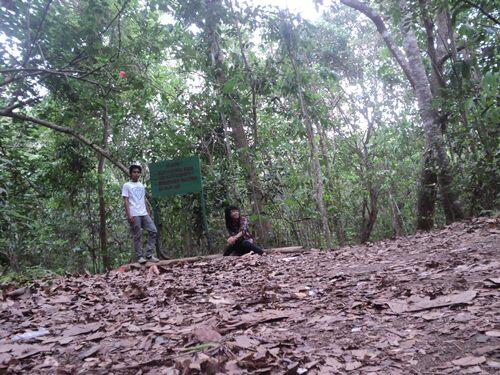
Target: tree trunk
[
  {"x": 249, "y": 74},
  {"x": 318, "y": 176},
  {"x": 368, "y": 222},
  {"x": 395, "y": 215},
  {"x": 254, "y": 189},
  {"x": 414, "y": 70},
  {"x": 430, "y": 119},
  {"x": 426, "y": 200},
  {"x": 255, "y": 193},
  {"x": 103, "y": 233},
  {"x": 338, "y": 226},
  {"x": 316, "y": 167},
  {"x": 92, "y": 248},
  {"x": 160, "y": 243}
]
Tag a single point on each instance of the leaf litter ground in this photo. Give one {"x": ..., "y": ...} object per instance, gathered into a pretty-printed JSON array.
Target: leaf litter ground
[{"x": 426, "y": 303}]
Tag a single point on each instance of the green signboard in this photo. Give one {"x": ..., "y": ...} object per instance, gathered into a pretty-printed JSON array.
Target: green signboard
[
  {"x": 174, "y": 177},
  {"x": 177, "y": 177}
]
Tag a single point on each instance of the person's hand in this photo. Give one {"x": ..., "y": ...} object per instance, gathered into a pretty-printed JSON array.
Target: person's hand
[
  {"x": 130, "y": 219},
  {"x": 231, "y": 241}
]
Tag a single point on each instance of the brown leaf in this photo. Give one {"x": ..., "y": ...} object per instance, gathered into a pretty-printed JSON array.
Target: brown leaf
[
  {"x": 25, "y": 350},
  {"x": 18, "y": 292},
  {"x": 96, "y": 336},
  {"x": 349, "y": 366},
  {"x": 333, "y": 363},
  {"x": 442, "y": 301},
  {"x": 360, "y": 354},
  {"x": 90, "y": 352},
  {"x": 4, "y": 358},
  {"x": 492, "y": 333},
  {"x": 203, "y": 363},
  {"x": 206, "y": 334},
  {"x": 469, "y": 361},
  {"x": 48, "y": 362},
  {"x": 493, "y": 364},
  {"x": 494, "y": 280},
  {"x": 154, "y": 269},
  {"x": 61, "y": 299},
  {"x": 432, "y": 315},
  {"x": 66, "y": 340},
  {"x": 81, "y": 329},
  {"x": 245, "y": 342},
  {"x": 232, "y": 368},
  {"x": 251, "y": 319}
]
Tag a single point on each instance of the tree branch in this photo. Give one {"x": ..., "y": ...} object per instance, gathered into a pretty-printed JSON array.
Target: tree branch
[
  {"x": 99, "y": 150},
  {"x": 433, "y": 54},
  {"x": 99, "y": 34},
  {"x": 33, "y": 42},
  {"x": 449, "y": 54},
  {"x": 481, "y": 9},
  {"x": 18, "y": 105},
  {"x": 382, "y": 29}
]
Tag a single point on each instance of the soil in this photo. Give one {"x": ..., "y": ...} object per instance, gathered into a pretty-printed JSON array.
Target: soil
[{"x": 422, "y": 304}]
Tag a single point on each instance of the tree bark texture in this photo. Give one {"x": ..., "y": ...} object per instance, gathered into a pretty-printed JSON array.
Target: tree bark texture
[
  {"x": 235, "y": 120},
  {"x": 249, "y": 74},
  {"x": 395, "y": 215},
  {"x": 430, "y": 119},
  {"x": 426, "y": 201},
  {"x": 338, "y": 226},
  {"x": 368, "y": 221},
  {"x": 414, "y": 69},
  {"x": 103, "y": 233},
  {"x": 318, "y": 175}
]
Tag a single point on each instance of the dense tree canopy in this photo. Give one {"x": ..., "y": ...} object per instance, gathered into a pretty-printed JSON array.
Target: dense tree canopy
[{"x": 374, "y": 120}]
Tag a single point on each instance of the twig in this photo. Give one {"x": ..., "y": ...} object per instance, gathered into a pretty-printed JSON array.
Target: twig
[
  {"x": 481, "y": 9},
  {"x": 33, "y": 42}
]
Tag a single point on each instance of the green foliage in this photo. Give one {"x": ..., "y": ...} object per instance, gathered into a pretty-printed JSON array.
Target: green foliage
[{"x": 169, "y": 104}]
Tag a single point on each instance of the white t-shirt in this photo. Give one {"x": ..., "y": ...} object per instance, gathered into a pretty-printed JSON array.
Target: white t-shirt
[{"x": 135, "y": 192}]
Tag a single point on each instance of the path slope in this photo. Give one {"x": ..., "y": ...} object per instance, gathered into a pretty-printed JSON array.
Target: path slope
[{"x": 420, "y": 304}]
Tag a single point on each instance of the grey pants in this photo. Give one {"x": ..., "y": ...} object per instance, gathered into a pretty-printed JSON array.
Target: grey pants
[{"x": 140, "y": 223}]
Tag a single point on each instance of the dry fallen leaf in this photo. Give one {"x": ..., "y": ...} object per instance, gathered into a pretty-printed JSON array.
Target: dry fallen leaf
[
  {"x": 245, "y": 342},
  {"x": 425, "y": 304},
  {"x": 469, "y": 361},
  {"x": 349, "y": 366},
  {"x": 492, "y": 333},
  {"x": 206, "y": 334},
  {"x": 234, "y": 315}
]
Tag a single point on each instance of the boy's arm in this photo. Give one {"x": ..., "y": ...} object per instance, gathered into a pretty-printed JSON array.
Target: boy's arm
[
  {"x": 130, "y": 218},
  {"x": 125, "y": 195},
  {"x": 148, "y": 206}
]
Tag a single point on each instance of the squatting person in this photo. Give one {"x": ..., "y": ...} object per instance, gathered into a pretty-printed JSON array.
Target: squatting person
[{"x": 240, "y": 240}]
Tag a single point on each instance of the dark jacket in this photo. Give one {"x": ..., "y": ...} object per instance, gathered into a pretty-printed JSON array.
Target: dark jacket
[{"x": 240, "y": 226}]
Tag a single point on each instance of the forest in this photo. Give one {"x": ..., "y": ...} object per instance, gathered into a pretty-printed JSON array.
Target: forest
[{"x": 373, "y": 120}]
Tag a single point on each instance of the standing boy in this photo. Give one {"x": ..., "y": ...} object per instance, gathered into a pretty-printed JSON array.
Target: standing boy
[{"x": 138, "y": 215}]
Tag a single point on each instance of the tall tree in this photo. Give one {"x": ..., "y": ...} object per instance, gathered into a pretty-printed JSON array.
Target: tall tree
[
  {"x": 235, "y": 118},
  {"x": 435, "y": 157},
  {"x": 291, "y": 46}
]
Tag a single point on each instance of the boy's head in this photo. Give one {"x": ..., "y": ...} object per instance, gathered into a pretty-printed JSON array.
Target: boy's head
[{"x": 135, "y": 172}]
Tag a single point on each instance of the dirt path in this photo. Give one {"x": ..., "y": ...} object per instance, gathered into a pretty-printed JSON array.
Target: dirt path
[{"x": 423, "y": 304}]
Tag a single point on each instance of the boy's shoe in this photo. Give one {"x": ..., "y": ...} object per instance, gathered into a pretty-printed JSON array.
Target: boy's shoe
[
  {"x": 142, "y": 260},
  {"x": 153, "y": 259}
]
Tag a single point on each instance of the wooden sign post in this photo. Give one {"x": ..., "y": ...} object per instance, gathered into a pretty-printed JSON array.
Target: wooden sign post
[{"x": 178, "y": 177}]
